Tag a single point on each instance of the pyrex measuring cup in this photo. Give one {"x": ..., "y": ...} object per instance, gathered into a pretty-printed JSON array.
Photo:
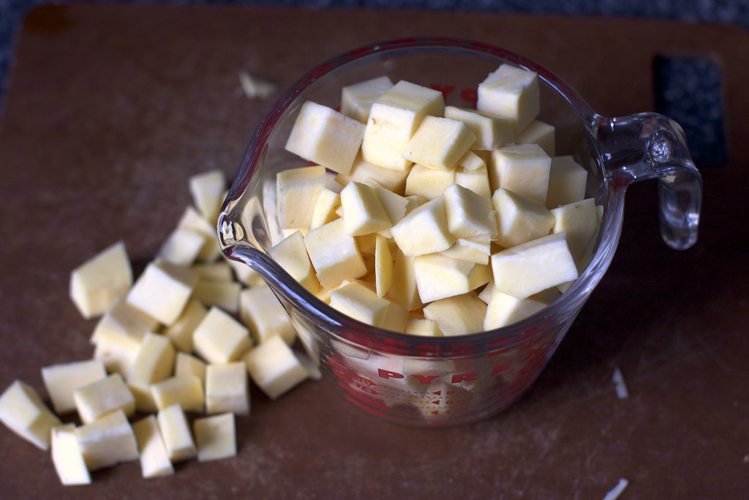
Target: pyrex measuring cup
[{"x": 450, "y": 380}]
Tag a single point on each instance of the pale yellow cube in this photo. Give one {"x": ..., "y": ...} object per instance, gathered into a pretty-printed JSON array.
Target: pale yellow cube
[
  {"x": 531, "y": 267},
  {"x": 181, "y": 331},
  {"x": 326, "y": 137},
  {"x": 61, "y": 380},
  {"x": 522, "y": 169},
  {"x": 154, "y": 361},
  {"x": 423, "y": 328},
  {"x": 476, "y": 250},
  {"x": 123, "y": 321},
  {"x": 503, "y": 310},
  {"x": 189, "y": 365},
  {"x": 162, "y": 291},
  {"x": 274, "y": 368},
  {"x": 176, "y": 433},
  {"x": 193, "y": 221},
  {"x": 414, "y": 202},
  {"x": 510, "y": 93},
  {"x": 428, "y": 182},
  {"x": 459, "y": 315},
  {"x": 325, "y": 207},
  {"x": 394, "y": 180},
  {"x": 394, "y": 118},
  {"x": 424, "y": 230},
  {"x": 107, "y": 441},
  {"x": 363, "y": 212},
  {"x": 154, "y": 459},
  {"x": 219, "y": 338},
  {"x": 143, "y": 398},
  {"x": 226, "y": 389},
  {"x": 567, "y": 181},
  {"x": 579, "y": 222},
  {"x": 332, "y": 267},
  {"x": 491, "y": 132},
  {"x": 182, "y": 247},
  {"x": 520, "y": 219},
  {"x": 265, "y": 316},
  {"x": 117, "y": 352},
  {"x": 296, "y": 194},
  {"x": 486, "y": 294},
  {"x": 468, "y": 214},
  {"x": 356, "y": 300},
  {"x": 215, "y": 437},
  {"x": 403, "y": 290},
  {"x": 383, "y": 266},
  {"x": 357, "y": 99},
  {"x": 23, "y": 412},
  {"x": 103, "y": 397},
  {"x": 439, "y": 143},
  {"x": 97, "y": 284},
  {"x": 216, "y": 271},
  {"x": 184, "y": 390},
  {"x": 219, "y": 294},
  {"x": 439, "y": 277},
  {"x": 291, "y": 255},
  {"x": 396, "y": 318},
  {"x": 207, "y": 190},
  {"x": 476, "y": 180},
  {"x": 395, "y": 205},
  {"x": 540, "y": 133},
  {"x": 67, "y": 457}
]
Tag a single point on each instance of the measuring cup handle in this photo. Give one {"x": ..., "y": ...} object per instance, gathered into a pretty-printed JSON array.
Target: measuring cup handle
[{"x": 652, "y": 146}]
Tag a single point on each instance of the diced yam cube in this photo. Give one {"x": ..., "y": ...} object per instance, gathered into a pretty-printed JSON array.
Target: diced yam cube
[
  {"x": 325, "y": 206},
  {"x": 154, "y": 459},
  {"x": 125, "y": 321},
  {"x": 457, "y": 315},
  {"x": 468, "y": 214},
  {"x": 361, "y": 303},
  {"x": 394, "y": 118},
  {"x": 215, "y": 437},
  {"x": 504, "y": 309},
  {"x": 522, "y": 169},
  {"x": 567, "y": 180},
  {"x": 189, "y": 365},
  {"x": 107, "y": 441},
  {"x": 326, "y": 137},
  {"x": 404, "y": 291},
  {"x": 154, "y": 361},
  {"x": 265, "y": 316},
  {"x": 357, "y": 99},
  {"x": 334, "y": 254},
  {"x": 182, "y": 247},
  {"x": 579, "y": 222},
  {"x": 176, "y": 433},
  {"x": 428, "y": 182},
  {"x": 423, "y": 327},
  {"x": 61, "y": 380},
  {"x": 531, "y": 267},
  {"x": 486, "y": 294},
  {"x": 439, "y": 143},
  {"x": 291, "y": 255},
  {"x": 367, "y": 243},
  {"x": 475, "y": 180},
  {"x": 216, "y": 271},
  {"x": 193, "y": 221},
  {"x": 184, "y": 390},
  {"x": 363, "y": 212},
  {"x": 471, "y": 161},
  {"x": 491, "y": 132},
  {"x": 162, "y": 291},
  {"x": 424, "y": 230},
  {"x": 220, "y": 294},
  {"x": 181, "y": 331},
  {"x": 439, "y": 277},
  {"x": 395, "y": 205},
  {"x": 274, "y": 368},
  {"x": 207, "y": 190},
  {"x": 520, "y": 219},
  {"x": 219, "y": 338},
  {"x": 144, "y": 402},
  {"x": 23, "y": 412},
  {"x": 117, "y": 352},
  {"x": 477, "y": 250},
  {"x": 396, "y": 318},
  {"x": 540, "y": 133},
  {"x": 510, "y": 93},
  {"x": 103, "y": 397},
  {"x": 383, "y": 266},
  {"x": 296, "y": 194},
  {"x": 67, "y": 457},
  {"x": 414, "y": 202},
  {"x": 97, "y": 284},
  {"x": 226, "y": 389},
  {"x": 245, "y": 274},
  {"x": 394, "y": 180}
]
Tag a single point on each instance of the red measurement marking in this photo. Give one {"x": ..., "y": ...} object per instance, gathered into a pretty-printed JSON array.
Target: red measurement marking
[
  {"x": 501, "y": 368},
  {"x": 426, "y": 379},
  {"x": 470, "y": 95},
  {"x": 445, "y": 89},
  {"x": 386, "y": 374},
  {"x": 463, "y": 377}
]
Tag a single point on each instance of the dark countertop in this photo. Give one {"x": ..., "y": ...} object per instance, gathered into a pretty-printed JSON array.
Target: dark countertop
[{"x": 112, "y": 108}]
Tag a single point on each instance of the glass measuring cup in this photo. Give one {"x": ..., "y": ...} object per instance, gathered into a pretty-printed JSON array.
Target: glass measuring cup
[{"x": 452, "y": 380}]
